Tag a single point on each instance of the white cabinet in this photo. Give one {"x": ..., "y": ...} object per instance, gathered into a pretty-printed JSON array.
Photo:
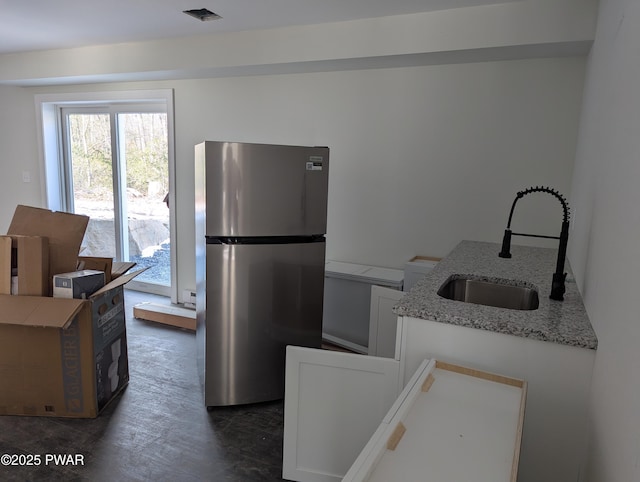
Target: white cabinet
[
  {"x": 383, "y": 322},
  {"x": 333, "y": 403},
  {"x": 347, "y": 297},
  {"x": 416, "y": 268},
  {"x": 450, "y": 424},
  {"x": 344, "y": 418},
  {"x": 558, "y": 377}
]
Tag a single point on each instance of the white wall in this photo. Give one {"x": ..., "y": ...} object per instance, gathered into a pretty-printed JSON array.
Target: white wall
[
  {"x": 421, "y": 157},
  {"x": 487, "y": 32},
  {"x": 18, "y": 152},
  {"x": 423, "y": 154},
  {"x": 605, "y": 250}
]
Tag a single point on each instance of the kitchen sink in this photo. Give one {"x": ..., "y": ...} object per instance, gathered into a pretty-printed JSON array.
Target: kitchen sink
[{"x": 498, "y": 293}]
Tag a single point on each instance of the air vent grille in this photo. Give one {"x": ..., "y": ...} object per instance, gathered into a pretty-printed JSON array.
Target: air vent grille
[{"x": 202, "y": 14}]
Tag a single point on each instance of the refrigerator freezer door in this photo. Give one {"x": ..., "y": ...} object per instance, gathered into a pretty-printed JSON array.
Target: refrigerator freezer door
[
  {"x": 263, "y": 190},
  {"x": 259, "y": 298}
]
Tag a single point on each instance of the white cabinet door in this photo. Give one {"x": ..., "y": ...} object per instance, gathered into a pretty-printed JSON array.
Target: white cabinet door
[
  {"x": 383, "y": 322},
  {"x": 559, "y": 381},
  {"x": 333, "y": 404},
  {"x": 452, "y": 424}
]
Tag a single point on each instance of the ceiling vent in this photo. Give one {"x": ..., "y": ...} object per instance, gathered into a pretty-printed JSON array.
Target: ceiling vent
[{"x": 202, "y": 14}]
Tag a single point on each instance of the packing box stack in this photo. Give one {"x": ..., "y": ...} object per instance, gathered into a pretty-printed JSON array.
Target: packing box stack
[{"x": 59, "y": 356}]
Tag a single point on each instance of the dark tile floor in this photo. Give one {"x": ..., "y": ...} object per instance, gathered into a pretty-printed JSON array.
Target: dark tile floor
[{"x": 158, "y": 429}]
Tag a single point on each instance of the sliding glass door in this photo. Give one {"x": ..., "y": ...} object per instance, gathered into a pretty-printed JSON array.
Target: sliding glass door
[{"x": 116, "y": 171}]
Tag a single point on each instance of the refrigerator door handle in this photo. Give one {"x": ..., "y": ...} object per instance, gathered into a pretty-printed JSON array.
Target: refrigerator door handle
[{"x": 265, "y": 239}]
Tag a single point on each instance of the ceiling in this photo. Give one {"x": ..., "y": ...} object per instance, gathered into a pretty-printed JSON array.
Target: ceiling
[{"x": 27, "y": 25}]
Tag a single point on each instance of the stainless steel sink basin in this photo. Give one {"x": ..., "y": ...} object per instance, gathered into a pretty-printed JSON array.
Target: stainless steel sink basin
[{"x": 500, "y": 294}]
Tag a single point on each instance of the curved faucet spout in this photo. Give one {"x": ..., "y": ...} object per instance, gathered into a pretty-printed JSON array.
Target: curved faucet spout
[{"x": 557, "y": 285}]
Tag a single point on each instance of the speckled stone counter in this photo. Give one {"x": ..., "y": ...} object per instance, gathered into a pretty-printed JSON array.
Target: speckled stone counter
[{"x": 564, "y": 322}]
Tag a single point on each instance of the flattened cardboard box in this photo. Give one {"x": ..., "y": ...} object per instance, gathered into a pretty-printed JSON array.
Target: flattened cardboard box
[
  {"x": 29, "y": 257},
  {"x": 64, "y": 232},
  {"x": 5, "y": 265},
  {"x": 63, "y": 357}
]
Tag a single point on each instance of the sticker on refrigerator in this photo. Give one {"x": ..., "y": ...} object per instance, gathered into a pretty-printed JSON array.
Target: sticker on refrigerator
[{"x": 314, "y": 163}]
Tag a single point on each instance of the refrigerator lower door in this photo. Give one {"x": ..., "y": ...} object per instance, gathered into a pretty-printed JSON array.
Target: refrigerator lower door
[{"x": 259, "y": 299}]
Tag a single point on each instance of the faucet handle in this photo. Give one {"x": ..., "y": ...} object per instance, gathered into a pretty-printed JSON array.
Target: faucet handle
[
  {"x": 557, "y": 286},
  {"x": 506, "y": 245}
]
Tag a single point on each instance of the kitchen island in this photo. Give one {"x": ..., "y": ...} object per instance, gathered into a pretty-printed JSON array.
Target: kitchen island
[{"x": 552, "y": 347}]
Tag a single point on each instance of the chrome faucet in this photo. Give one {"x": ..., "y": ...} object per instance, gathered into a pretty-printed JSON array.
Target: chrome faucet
[{"x": 557, "y": 285}]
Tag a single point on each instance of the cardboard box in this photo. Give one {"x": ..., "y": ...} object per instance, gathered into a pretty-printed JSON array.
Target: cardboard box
[
  {"x": 5, "y": 265},
  {"x": 27, "y": 265},
  {"x": 98, "y": 264},
  {"x": 78, "y": 284},
  {"x": 120, "y": 268},
  {"x": 112, "y": 269},
  {"x": 64, "y": 232},
  {"x": 63, "y": 357}
]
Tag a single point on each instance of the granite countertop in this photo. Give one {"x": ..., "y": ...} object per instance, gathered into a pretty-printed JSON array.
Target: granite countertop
[{"x": 564, "y": 322}]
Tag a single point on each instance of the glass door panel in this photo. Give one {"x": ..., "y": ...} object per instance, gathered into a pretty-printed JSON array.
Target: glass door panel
[
  {"x": 118, "y": 175},
  {"x": 144, "y": 151},
  {"x": 91, "y": 180}
]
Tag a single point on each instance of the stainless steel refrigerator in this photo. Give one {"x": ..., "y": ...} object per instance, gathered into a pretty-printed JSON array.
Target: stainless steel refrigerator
[{"x": 261, "y": 214}]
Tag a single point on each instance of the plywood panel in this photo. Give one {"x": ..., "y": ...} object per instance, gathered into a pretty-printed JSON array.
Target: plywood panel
[{"x": 166, "y": 314}]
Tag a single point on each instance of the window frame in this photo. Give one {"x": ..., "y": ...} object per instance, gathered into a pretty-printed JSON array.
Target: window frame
[{"x": 54, "y": 172}]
